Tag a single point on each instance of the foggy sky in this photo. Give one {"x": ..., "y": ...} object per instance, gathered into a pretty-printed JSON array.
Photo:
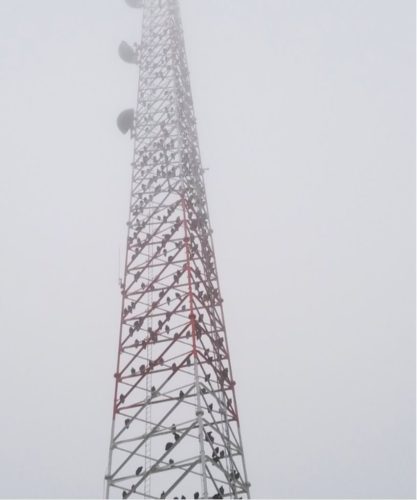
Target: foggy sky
[{"x": 306, "y": 117}]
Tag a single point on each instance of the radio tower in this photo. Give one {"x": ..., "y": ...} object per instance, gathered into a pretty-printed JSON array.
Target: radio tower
[{"x": 175, "y": 429}]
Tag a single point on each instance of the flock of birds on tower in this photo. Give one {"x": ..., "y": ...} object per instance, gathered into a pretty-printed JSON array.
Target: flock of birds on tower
[{"x": 166, "y": 165}]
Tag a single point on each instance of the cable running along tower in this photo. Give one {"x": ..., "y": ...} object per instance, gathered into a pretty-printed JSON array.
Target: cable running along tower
[{"x": 175, "y": 429}]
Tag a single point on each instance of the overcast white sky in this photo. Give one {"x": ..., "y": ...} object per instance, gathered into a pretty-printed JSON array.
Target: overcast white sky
[{"x": 306, "y": 114}]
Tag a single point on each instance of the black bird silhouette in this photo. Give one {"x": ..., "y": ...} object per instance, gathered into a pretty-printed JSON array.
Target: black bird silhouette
[
  {"x": 124, "y": 494},
  {"x": 176, "y": 436},
  {"x": 181, "y": 394},
  {"x": 196, "y": 495},
  {"x": 168, "y": 446},
  {"x": 139, "y": 470}
]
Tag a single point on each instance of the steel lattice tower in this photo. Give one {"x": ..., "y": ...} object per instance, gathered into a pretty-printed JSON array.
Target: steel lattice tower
[{"x": 175, "y": 428}]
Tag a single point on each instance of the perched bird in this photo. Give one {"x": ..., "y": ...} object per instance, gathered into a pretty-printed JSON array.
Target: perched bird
[
  {"x": 196, "y": 495},
  {"x": 171, "y": 462},
  {"x": 139, "y": 470},
  {"x": 176, "y": 436},
  {"x": 168, "y": 446},
  {"x": 163, "y": 494},
  {"x": 181, "y": 394},
  {"x": 235, "y": 474},
  {"x": 125, "y": 494}
]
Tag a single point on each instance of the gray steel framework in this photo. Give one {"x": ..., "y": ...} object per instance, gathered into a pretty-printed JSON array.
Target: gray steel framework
[{"x": 175, "y": 428}]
